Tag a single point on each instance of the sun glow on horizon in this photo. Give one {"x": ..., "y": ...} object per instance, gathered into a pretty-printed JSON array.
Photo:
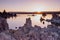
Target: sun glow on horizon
[{"x": 39, "y": 8}]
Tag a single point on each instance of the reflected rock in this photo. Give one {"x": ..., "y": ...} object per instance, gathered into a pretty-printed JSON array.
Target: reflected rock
[{"x": 41, "y": 19}]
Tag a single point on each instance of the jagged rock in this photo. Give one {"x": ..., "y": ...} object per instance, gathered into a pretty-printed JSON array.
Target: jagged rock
[
  {"x": 3, "y": 24},
  {"x": 28, "y": 22},
  {"x": 4, "y": 36},
  {"x": 27, "y": 32}
]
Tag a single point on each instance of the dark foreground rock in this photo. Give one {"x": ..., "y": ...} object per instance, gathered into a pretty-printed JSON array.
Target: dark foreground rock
[
  {"x": 3, "y": 24},
  {"x": 4, "y": 30},
  {"x": 27, "y": 32}
]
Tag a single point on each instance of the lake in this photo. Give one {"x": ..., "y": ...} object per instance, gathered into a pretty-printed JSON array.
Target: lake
[{"x": 20, "y": 20}]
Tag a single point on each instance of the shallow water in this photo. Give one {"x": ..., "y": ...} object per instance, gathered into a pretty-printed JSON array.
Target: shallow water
[{"x": 20, "y": 20}]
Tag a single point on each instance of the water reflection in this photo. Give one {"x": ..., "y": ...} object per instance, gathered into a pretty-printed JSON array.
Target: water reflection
[
  {"x": 21, "y": 18},
  {"x": 43, "y": 20}
]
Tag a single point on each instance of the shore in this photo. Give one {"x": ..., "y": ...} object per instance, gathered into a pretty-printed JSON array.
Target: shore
[{"x": 28, "y": 32}]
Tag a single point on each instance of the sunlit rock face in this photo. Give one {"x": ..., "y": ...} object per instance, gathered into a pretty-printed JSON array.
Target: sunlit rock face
[{"x": 3, "y": 24}]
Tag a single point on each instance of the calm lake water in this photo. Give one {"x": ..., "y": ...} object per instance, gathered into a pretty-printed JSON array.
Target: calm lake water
[{"x": 20, "y": 20}]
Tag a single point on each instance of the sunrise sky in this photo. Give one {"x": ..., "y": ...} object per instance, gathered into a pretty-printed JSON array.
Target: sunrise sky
[{"x": 29, "y": 5}]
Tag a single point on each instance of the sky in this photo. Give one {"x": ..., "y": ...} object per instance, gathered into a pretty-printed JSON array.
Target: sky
[{"x": 29, "y": 5}]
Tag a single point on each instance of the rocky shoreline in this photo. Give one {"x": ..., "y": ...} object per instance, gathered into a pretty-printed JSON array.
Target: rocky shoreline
[{"x": 28, "y": 32}]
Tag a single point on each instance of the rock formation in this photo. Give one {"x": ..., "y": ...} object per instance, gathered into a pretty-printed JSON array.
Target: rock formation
[
  {"x": 27, "y": 32},
  {"x": 3, "y": 24},
  {"x": 6, "y": 36},
  {"x": 28, "y": 22}
]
